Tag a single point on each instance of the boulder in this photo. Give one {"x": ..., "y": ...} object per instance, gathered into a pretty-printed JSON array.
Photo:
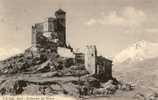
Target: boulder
[
  {"x": 12, "y": 87},
  {"x": 90, "y": 81},
  {"x": 71, "y": 89},
  {"x": 32, "y": 89}
]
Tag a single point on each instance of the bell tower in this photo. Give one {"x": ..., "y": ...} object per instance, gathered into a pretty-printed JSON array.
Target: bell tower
[{"x": 61, "y": 26}]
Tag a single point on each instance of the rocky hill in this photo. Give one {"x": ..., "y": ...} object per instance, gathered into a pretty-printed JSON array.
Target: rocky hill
[
  {"x": 49, "y": 74},
  {"x": 46, "y": 73}
]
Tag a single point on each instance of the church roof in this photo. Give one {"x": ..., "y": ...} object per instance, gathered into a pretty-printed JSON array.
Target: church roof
[{"x": 60, "y": 11}]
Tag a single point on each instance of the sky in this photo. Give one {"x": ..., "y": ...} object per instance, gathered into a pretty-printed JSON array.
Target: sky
[{"x": 111, "y": 25}]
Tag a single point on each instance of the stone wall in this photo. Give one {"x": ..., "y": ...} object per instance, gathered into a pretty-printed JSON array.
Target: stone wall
[
  {"x": 103, "y": 68},
  {"x": 65, "y": 52},
  {"x": 90, "y": 58}
]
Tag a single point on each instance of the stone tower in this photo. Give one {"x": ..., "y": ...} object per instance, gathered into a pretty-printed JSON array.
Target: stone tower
[
  {"x": 34, "y": 39},
  {"x": 90, "y": 58},
  {"x": 33, "y": 36},
  {"x": 60, "y": 26}
]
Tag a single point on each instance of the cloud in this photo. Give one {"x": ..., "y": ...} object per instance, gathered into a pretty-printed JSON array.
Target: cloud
[
  {"x": 129, "y": 16},
  {"x": 8, "y": 52},
  {"x": 152, "y": 30},
  {"x": 91, "y": 21}
]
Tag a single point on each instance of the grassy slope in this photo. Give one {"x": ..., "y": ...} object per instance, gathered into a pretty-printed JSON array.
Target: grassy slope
[{"x": 143, "y": 74}]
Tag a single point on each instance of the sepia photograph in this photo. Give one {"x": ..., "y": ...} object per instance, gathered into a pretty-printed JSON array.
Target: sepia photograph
[{"x": 78, "y": 49}]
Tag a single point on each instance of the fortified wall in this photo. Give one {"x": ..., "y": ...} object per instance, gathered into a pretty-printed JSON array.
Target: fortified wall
[{"x": 90, "y": 58}]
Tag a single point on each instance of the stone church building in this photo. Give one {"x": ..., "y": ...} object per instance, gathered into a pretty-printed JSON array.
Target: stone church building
[
  {"x": 51, "y": 33},
  {"x": 52, "y": 29}
]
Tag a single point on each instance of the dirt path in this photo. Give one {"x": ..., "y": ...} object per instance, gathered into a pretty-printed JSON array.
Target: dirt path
[{"x": 38, "y": 78}]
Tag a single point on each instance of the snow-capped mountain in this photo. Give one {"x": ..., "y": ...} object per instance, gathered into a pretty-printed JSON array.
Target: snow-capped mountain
[{"x": 137, "y": 52}]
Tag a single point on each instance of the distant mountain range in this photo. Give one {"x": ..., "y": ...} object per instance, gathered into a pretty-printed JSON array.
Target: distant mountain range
[{"x": 139, "y": 51}]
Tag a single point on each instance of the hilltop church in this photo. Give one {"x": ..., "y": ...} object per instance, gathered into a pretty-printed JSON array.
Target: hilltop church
[
  {"x": 52, "y": 29},
  {"x": 51, "y": 34}
]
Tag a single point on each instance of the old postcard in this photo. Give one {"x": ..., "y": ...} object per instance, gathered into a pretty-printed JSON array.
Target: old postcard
[{"x": 78, "y": 49}]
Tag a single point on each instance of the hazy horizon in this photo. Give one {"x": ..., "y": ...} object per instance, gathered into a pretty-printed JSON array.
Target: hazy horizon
[{"x": 112, "y": 25}]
